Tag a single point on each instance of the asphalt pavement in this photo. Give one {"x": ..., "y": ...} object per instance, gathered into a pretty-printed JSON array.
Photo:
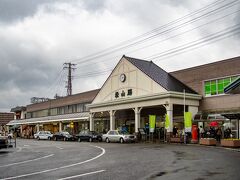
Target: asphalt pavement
[{"x": 34, "y": 159}]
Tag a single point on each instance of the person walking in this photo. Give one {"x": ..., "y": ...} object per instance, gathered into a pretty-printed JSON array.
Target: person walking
[
  {"x": 201, "y": 131},
  {"x": 218, "y": 134}
]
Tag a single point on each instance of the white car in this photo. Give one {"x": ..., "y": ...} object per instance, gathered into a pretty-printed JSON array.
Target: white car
[
  {"x": 43, "y": 135},
  {"x": 118, "y": 136}
]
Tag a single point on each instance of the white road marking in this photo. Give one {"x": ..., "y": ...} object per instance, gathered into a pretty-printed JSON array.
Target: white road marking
[
  {"x": 62, "y": 167},
  {"x": 22, "y": 162},
  {"x": 26, "y": 145},
  {"x": 59, "y": 147},
  {"x": 80, "y": 175}
]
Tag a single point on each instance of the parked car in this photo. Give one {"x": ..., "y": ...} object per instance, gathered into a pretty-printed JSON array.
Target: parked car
[
  {"x": 4, "y": 143},
  {"x": 65, "y": 136},
  {"x": 43, "y": 135},
  {"x": 90, "y": 136},
  {"x": 118, "y": 136}
]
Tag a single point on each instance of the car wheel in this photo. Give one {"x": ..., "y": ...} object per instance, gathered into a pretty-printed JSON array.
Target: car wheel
[
  {"x": 79, "y": 139},
  {"x": 100, "y": 140},
  {"x": 121, "y": 140},
  {"x": 90, "y": 139},
  {"x": 107, "y": 140}
]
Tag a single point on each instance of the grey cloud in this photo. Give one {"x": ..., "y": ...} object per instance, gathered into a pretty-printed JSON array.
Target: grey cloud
[
  {"x": 94, "y": 5},
  {"x": 15, "y": 10}
]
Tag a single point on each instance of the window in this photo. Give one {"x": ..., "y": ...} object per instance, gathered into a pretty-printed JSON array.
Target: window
[{"x": 216, "y": 87}]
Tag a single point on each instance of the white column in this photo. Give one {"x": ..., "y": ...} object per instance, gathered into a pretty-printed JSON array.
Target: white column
[
  {"x": 37, "y": 127},
  {"x": 137, "y": 118},
  {"x": 169, "y": 109},
  {"x": 91, "y": 121},
  {"x": 112, "y": 119},
  {"x": 60, "y": 126},
  {"x": 193, "y": 110}
]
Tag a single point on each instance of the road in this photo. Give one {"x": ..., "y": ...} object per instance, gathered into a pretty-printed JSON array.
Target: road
[{"x": 73, "y": 160}]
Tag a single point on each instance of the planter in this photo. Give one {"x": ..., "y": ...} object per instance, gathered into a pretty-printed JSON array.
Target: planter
[
  {"x": 230, "y": 143},
  {"x": 176, "y": 140},
  {"x": 208, "y": 141}
]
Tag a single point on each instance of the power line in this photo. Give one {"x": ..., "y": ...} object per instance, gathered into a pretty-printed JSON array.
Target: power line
[
  {"x": 188, "y": 46},
  {"x": 225, "y": 6},
  {"x": 154, "y": 30},
  {"x": 174, "y": 36}
]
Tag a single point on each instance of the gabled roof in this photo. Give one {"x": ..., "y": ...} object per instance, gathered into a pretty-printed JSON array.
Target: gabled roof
[{"x": 160, "y": 76}]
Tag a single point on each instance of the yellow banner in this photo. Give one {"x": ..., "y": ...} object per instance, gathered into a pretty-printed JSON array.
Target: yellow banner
[
  {"x": 167, "y": 122},
  {"x": 152, "y": 122},
  {"x": 188, "y": 121}
]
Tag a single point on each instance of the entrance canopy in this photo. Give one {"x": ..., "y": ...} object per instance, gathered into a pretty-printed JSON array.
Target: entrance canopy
[
  {"x": 49, "y": 119},
  {"x": 235, "y": 115}
]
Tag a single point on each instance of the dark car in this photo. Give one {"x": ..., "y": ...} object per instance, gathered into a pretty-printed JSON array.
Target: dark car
[
  {"x": 65, "y": 136},
  {"x": 90, "y": 136}
]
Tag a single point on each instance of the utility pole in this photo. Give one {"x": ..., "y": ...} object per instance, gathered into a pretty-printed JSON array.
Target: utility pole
[{"x": 69, "y": 66}]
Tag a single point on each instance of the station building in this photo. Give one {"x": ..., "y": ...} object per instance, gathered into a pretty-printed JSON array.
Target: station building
[{"x": 136, "y": 89}]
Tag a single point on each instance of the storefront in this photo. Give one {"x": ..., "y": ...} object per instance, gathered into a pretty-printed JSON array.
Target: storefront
[{"x": 73, "y": 123}]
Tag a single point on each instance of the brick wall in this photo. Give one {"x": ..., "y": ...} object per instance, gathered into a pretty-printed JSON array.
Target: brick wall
[{"x": 194, "y": 78}]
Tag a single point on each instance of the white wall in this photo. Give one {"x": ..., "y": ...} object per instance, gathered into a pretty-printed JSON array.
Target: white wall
[{"x": 136, "y": 80}]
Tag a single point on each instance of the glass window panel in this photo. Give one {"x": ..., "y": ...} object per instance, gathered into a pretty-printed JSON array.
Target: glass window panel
[
  {"x": 234, "y": 78},
  {"x": 220, "y": 81}
]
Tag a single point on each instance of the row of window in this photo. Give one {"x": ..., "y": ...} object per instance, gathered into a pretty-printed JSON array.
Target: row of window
[
  {"x": 58, "y": 111},
  {"x": 216, "y": 87}
]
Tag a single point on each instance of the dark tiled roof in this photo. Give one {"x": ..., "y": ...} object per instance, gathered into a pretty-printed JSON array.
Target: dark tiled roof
[{"x": 160, "y": 76}]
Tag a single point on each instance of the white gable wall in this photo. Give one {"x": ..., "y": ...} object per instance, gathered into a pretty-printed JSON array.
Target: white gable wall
[{"x": 136, "y": 80}]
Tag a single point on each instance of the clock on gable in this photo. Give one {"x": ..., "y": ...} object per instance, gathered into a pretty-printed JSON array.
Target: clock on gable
[{"x": 123, "y": 77}]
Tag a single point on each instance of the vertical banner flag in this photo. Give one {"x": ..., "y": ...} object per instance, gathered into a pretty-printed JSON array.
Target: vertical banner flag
[
  {"x": 188, "y": 121},
  {"x": 167, "y": 122},
  {"x": 152, "y": 122}
]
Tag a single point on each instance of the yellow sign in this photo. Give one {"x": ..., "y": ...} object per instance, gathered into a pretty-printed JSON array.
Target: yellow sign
[
  {"x": 152, "y": 122},
  {"x": 188, "y": 121}
]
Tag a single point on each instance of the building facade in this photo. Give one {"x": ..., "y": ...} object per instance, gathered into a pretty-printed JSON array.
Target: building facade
[
  {"x": 5, "y": 118},
  {"x": 136, "y": 89},
  {"x": 68, "y": 113}
]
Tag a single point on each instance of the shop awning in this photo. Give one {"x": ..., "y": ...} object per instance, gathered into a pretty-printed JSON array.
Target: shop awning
[
  {"x": 233, "y": 88},
  {"x": 58, "y": 118},
  {"x": 234, "y": 115},
  {"x": 208, "y": 117}
]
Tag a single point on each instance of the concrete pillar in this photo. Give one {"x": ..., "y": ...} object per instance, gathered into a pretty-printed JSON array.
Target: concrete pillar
[
  {"x": 193, "y": 110},
  {"x": 91, "y": 121},
  {"x": 169, "y": 109},
  {"x": 112, "y": 119},
  {"x": 21, "y": 130},
  {"x": 60, "y": 126},
  {"x": 137, "y": 111},
  {"x": 37, "y": 127}
]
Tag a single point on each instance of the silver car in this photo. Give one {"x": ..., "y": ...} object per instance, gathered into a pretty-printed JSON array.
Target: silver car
[
  {"x": 118, "y": 136},
  {"x": 43, "y": 135}
]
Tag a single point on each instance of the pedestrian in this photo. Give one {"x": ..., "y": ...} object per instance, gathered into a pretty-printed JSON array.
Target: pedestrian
[
  {"x": 201, "y": 130},
  {"x": 174, "y": 131},
  {"x": 218, "y": 134}
]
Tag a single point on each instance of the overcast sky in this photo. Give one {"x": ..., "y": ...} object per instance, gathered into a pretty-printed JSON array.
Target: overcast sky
[{"x": 37, "y": 37}]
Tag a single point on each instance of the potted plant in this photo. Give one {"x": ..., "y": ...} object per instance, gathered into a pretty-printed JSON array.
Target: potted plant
[
  {"x": 208, "y": 141},
  {"x": 230, "y": 142}
]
